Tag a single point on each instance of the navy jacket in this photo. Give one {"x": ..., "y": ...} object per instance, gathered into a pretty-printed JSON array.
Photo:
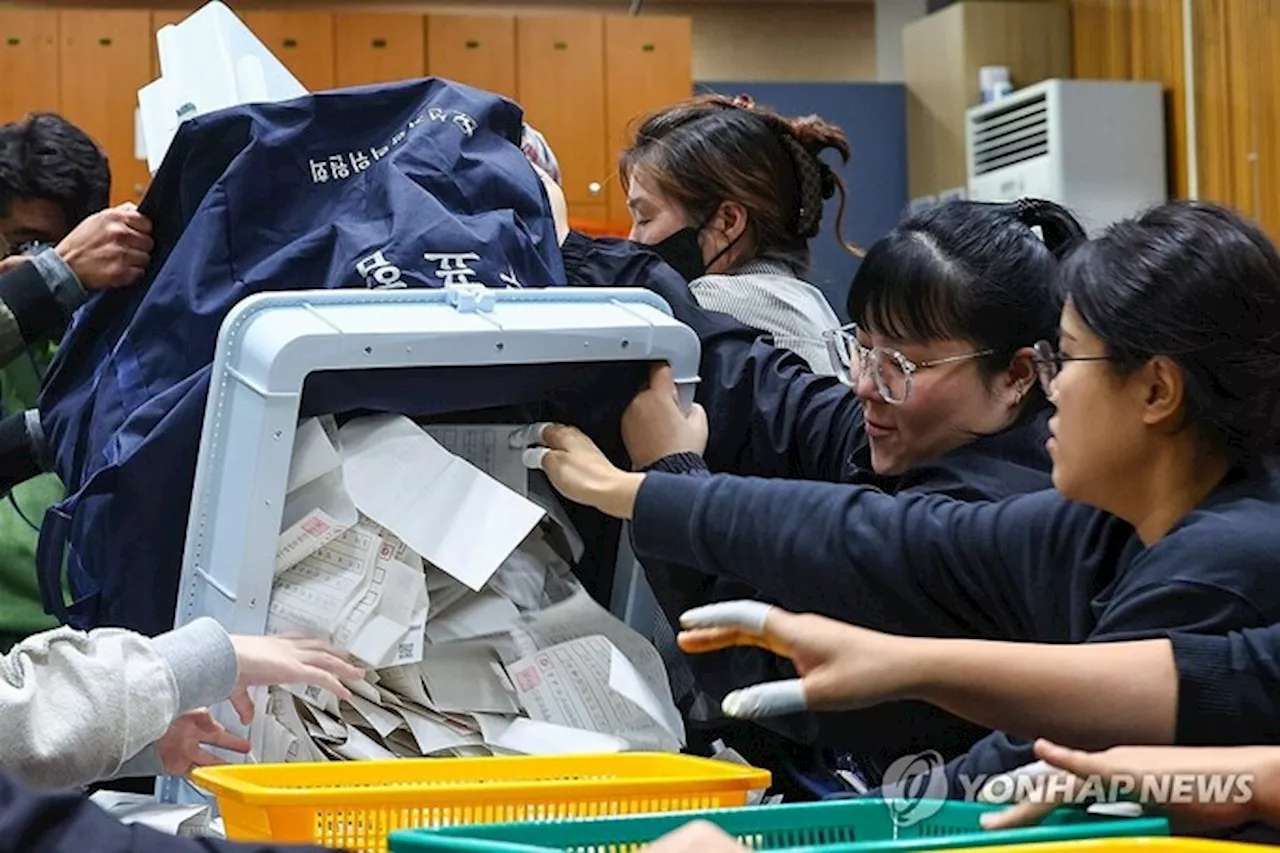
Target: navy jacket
[
  {"x": 67, "y": 822},
  {"x": 1228, "y": 687},
  {"x": 770, "y": 416},
  {"x": 1032, "y": 568}
]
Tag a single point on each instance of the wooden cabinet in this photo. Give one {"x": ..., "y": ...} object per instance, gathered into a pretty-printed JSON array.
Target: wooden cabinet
[
  {"x": 104, "y": 59},
  {"x": 303, "y": 41},
  {"x": 648, "y": 65},
  {"x": 560, "y": 77},
  {"x": 942, "y": 53},
  {"x": 374, "y": 48},
  {"x": 583, "y": 80},
  {"x": 479, "y": 50},
  {"x": 28, "y": 62}
]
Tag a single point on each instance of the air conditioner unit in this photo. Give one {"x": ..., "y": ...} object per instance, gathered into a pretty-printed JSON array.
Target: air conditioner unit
[{"x": 1095, "y": 147}]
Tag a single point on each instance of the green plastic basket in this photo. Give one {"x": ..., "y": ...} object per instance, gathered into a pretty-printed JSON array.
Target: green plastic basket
[{"x": 852, "y": 826}]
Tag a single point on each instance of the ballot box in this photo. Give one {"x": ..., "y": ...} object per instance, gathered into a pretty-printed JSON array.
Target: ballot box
[{"x": 264, "y": 493}]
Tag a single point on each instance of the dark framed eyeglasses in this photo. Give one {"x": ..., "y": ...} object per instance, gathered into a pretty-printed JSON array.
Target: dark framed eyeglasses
[
  {"x": 1049, "y": 360},
  {"x": 891, "y": 370}
]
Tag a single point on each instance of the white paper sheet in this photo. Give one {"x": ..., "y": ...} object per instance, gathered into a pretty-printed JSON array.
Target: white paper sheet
[
  {"x": 569, "y": 684},
  {"x": 434, "y": 735},
  {"x": 626, "y": 681},
  {"x": 475, "y": 616},
  {"x": 534, "y": 737},
  {"x": 358, "y": 711},
  {"x": 315, "y": 530},
  {"x": 312, "y": 596},
  {"x": 581, "y": 616},
  {"x": 407, "y": 682},
  {"x": 313, "y": 455},
  {"x": 465, "y": 677},
  {"x": 487, "y": 447},
  {"x": 386, "y": 626},
  {"x": 142, "y": 809},
  {"x": 361, "y": 747},
  {"x": 441, "y": 506},
  {"x": 522, "y": 576}
]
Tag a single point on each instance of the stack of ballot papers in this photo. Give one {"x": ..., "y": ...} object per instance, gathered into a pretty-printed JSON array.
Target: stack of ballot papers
[{"x": 434, "y": 557}]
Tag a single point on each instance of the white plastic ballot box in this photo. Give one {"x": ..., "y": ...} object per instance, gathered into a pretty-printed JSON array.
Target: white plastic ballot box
[{"x": 270, "y": 343}]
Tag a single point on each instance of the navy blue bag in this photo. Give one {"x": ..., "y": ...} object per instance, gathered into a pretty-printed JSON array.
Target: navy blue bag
[{"x": 416, "y": 184}]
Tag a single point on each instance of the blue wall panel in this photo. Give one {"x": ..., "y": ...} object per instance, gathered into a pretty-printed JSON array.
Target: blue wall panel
[{"x": 873, "y": 116}]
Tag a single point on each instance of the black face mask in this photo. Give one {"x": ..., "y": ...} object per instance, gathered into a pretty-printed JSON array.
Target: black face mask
[{"x": 682, "y": 253}]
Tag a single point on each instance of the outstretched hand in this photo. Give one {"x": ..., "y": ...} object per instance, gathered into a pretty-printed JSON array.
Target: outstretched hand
[
  {"x": 288, "y": 659},
  {"x": 182, "y": 747},
  {"x": 580, "y": 471},
  {"x": 841, "y": 667}
]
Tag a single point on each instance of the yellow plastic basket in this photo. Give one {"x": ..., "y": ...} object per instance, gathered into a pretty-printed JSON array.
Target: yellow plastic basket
[
  {"x": 355, "y": 805},
  {"x": 1140, "y": 844}
]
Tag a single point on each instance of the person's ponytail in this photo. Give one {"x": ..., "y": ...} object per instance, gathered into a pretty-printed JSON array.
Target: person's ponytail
[{"x": 1060, "y": 230}]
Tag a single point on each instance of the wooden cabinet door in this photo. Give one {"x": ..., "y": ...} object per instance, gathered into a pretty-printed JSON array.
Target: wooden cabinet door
[
  {"x": 302, "y": 41},
  {"x": 479, "y": 50},
  {"x": 560, "y": 79},
  {"x": 374, "y": 48},
  {"x": 648, "y": 65},
  {"x": 104, "y": 59},
  {"x": 28, "y": 62}
]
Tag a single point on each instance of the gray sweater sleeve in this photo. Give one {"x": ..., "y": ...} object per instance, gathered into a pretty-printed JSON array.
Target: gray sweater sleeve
[{"x": 75, "y": 706}]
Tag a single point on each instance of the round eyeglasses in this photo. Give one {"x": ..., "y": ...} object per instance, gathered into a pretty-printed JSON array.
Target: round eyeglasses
[
  {"x": 891, "y": 370},
  {"x": 1049, "y": 361}
]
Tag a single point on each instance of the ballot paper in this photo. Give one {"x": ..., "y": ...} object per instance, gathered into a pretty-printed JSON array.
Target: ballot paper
[
  {"x": 586, "y": 684},
  {"x": 487, "y": 447},
  {"x": 499, "y": 652},
  {"x": 475, "y": 616},
  {"x": 581, "y": 616},
  {"x": 317, "y": 507},
  {"x": 387, "y": 626},
  {"x": 143, "y": 810},
  {"x": 522, "y": 577},
  {"x": 467, "y": 677},
  {"x": 313, "y": 455},
  {"x": 534, "y": 737},
  {"x": 310, "y": 597},
  {"x": 444, "y": 508}
]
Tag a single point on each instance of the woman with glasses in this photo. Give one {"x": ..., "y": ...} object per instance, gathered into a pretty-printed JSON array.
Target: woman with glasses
[
  {"x": 1166, "y": 383},
  {"x": 948, "y": 306}
]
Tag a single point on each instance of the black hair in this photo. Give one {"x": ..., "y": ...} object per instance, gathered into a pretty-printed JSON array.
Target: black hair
[
  {"x": 47, "y": 157},
  {"x": 1199, "y": 284},
  {"x": 965, "y": 270}
]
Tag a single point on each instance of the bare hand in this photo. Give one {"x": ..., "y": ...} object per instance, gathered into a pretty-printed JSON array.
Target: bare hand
[
  {"x": 580, "y": 472},
  {"x": 653, "y": 425},
  {"x": 12, "y": 262},
  {"x": 841, "y": 667},
  {"x": 699, "y": 836},
  {"x": 181, "y": 748},
  {"x": 111, "y": 248},
  {"x": 1162, "y": 767},
  {"x": 288, "y": 659}
]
